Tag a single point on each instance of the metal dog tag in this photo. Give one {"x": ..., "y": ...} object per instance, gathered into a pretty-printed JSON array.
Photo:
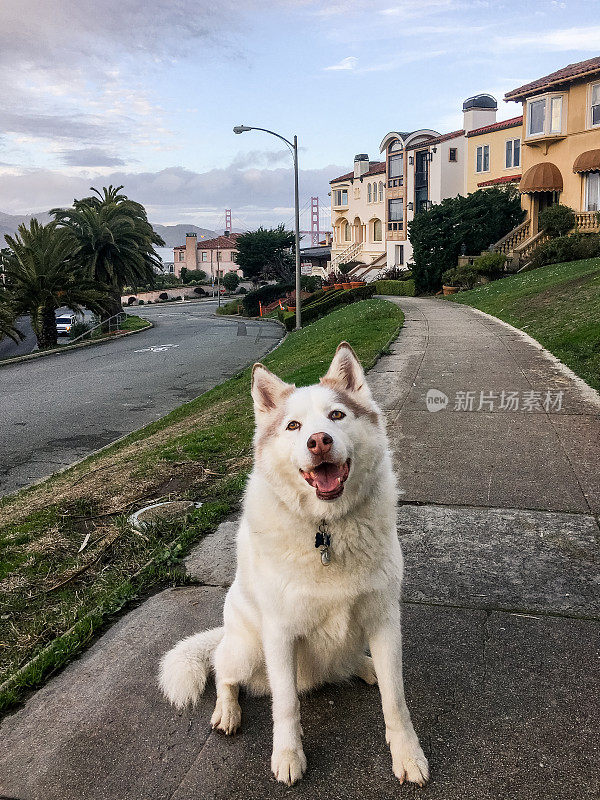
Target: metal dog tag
[{"x": 325, "y": 557}]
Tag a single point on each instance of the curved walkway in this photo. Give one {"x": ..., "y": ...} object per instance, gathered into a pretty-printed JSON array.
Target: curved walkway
[{"x": 501, "y": 615}]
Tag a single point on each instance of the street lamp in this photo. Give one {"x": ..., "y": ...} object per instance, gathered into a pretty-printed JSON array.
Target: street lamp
[{"x": 294, "y": 149}]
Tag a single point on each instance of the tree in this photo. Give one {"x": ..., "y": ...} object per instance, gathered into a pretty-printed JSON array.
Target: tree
[
  {"x": 7, "y": 320},
  {"x": 192, "y": 275},
  {"x": 231, "y": 281},
  {"x": 113, "y": 240},
  {"x": 42, "y": 275},
  {"x": 557, "y": 220},
  {"x": 475, "y": 222},
  {"x": 266, "y": 253}
]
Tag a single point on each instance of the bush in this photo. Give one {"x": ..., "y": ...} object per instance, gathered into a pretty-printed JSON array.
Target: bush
[
  {"x": 344, "y": 268},
  {"x": 192, "y": 275},
  {"x": 491, "y": 265},
  {"x": 475, "y": 221},
  {"x": 326, "y": 304},
  {"x": 79, "y": 328},
  {"x": 396, "y": 287},
  {"x": 265, "y": 295},
  {"x": 163, "y": 296},
  {"x": 310, "y": 283},
  {"x": 242, "y": 290},
  {"x": 464, "y": 277},
  {"x": 566, "y": 248},
  {"x": 557, "y": 220},
  {"x": 141, "y": 302},
  {"x": 396, "y": 274},
  {"x": 230, "y": 308},
  {"x": 231, "y": 280}
]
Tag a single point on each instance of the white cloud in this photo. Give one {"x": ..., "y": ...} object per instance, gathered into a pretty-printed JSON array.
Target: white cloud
[
  {"x": 574, "y": 39},
  {"x": 348, "y": 63}
]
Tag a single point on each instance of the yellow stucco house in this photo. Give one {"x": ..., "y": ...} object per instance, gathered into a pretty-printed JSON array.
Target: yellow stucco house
[
  {"x": 560, "y": 152},
  {"x": 494, "y": 155}
]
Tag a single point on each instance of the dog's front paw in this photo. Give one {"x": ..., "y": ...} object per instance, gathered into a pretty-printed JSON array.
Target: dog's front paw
[
  {"x": 408, "y": 760},
  {"x": 227, "y": 716},
  {"x": 288, "y": 765}
]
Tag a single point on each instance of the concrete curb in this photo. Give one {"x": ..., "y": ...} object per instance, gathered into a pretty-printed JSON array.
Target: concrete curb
[{"x": 68, "y": 347}]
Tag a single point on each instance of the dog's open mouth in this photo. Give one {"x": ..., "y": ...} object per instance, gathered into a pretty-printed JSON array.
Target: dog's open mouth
[{"x": 328, "y": 479}]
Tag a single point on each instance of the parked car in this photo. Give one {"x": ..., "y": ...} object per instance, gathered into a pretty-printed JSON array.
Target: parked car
[{"x": 64, "y": 323}]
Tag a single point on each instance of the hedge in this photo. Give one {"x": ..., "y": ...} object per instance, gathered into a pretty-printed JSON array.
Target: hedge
[
  {"x": 401, "y": 288},
  {"x": 326, "y": 304},
  {"x": 265, "y": 295}
]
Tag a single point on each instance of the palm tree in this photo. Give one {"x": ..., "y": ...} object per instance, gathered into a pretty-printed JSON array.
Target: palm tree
[
  {"x": 7, "y": 319},
  {"x": 113, "y": 240},
  {"x": 42, "y": 275}
]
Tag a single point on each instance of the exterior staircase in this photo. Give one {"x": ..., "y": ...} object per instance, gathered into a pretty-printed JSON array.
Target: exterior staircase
[
  {"x": 349, "y": 254},
  {"x": 369, "y": 272}
]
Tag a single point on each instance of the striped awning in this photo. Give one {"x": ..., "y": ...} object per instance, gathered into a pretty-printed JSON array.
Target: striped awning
[
  {"x": 542, "y": 177},
  {"x": 587, "y": 162}
]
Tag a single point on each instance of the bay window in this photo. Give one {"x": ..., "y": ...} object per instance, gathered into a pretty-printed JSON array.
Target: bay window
[
  {"x": 340, "y": 197},
  {"x": 545, "y": 115}
]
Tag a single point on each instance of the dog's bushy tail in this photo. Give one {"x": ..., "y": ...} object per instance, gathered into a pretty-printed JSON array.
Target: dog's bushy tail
[{"x": 184, "y": 669}]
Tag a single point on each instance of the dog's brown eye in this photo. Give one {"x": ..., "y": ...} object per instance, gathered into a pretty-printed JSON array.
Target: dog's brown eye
[
  {"x": 293, "y": 425},
  {"x": 337, "y": 415}
]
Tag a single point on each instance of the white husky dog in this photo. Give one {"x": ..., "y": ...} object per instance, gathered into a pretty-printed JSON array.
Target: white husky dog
[{"x": 319, "y": 569}]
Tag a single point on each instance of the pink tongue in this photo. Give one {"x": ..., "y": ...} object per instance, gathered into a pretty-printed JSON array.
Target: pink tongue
[{"x": 326, "y": 477}]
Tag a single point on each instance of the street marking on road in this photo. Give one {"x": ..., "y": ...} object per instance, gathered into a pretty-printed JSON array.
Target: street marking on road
[{"x": 157, "y": 348}]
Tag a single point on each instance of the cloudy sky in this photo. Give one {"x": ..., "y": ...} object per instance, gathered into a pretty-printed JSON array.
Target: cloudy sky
[{"x": 146, "y": 92}]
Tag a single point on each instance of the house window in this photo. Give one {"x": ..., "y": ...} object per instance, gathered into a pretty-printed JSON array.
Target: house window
[
  {"x": 377, "y": 231},
  {"x": 396, "y": 209},
  {"x": 368, "y": 193},
  {"x": 340, "y": 197},
  {"x": 204, "y": 255},
  {"x": 219, "y": 254},
  {"x": 595, "y": 105},
  {"x": 592, "y": 191},
  {"x": 396, "y": 166},
  {"x": 452, "y": 154},
  {"x": 381, "y": 191},
  {"x": 399, "y": 255},
  {"x": 347, "y": 231},
  {"x": 513, "y": 153},
  {"x": 544, "y": 115},
  {"x": 181, "y": 255},
  {"x": 483, "y": 158}
]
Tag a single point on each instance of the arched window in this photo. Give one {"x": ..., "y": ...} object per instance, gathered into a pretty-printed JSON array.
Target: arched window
[
  {"x": 347, "y": 232},
  {"x": 377, "y": 231},
  {"x": 368, "y": 193},
  {"x": 381, "y": 191}
]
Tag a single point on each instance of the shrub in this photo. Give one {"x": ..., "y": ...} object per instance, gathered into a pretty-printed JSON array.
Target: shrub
[
  {"x": 141, "y": 302},
  {"x": 566, "y": 248},
  {"x": 231, "y": 280},
  {"x": 557, "y": 220},
  {"x": 242, "y": 290},
  {"x": 310, "y": 283},
  {"x": 464, "y": 277},
  {"x": 396, "y": 274},
  {"x": 192, "y": 275},
  {"x": 163, "y": 296},
  {"x": 344, "y": 268},
  {"x": 79, "y": 328},
  {"x": 131, "y": 300},
  {"x": 491, "y": 265},
  {"x": 230, "y": 308},
  {"x": 326, "y": 304},
  {"x": 396, "y": 287},
  {"x": 265, "y": 295}
]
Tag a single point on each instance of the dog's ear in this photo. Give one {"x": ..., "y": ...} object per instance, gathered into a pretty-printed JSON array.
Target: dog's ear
[
  {"x": 268, "y": 391},
  {"x": 345, "y": 373}
]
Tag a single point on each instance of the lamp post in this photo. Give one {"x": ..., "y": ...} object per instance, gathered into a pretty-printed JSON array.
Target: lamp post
[{"x": 294, "y": 150}]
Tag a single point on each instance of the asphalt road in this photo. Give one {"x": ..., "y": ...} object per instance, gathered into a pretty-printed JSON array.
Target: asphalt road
[{"x": 57, "y": 409}]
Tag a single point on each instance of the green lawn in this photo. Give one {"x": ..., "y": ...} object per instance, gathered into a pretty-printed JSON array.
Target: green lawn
[
  {"x": 559, "y": 305},
  {"x": 53, "y": 599}
]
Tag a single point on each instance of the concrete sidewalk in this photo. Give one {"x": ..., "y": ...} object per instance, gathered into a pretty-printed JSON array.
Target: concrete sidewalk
[{"x": 501, "y": 616}]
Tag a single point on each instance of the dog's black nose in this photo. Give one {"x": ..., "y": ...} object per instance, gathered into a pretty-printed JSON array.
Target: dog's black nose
[{"x": 319, "y": 443}]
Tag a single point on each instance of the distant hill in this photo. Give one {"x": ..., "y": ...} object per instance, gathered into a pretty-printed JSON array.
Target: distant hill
[
  {"x": 172, "y": 234},
  {"x": 175, "y": 234}
]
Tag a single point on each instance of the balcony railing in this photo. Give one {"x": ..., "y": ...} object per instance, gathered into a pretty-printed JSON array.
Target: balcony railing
[{"x": 587, "y": 221}]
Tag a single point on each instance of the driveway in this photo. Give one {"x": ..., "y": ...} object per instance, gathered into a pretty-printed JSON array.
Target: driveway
[{"x": 57, "y": 409}]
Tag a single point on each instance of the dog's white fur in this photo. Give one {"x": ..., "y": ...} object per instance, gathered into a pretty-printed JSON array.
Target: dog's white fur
[{"x": 291, "y": 623}]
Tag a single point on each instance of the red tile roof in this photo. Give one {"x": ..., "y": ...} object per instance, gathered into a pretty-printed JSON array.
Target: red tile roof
[
  {"x": 515, "y": 122},
  {"x": 218, "y": 243},
  {"x": 503, "y": 179},
  {"x": 436, "y": 140},
  {"x": 375, "y": 168},
  {"x": 581, "y": 69}
]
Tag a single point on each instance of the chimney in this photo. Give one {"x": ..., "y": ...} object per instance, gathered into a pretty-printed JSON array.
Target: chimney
[
  {"x": 479, "y": 111},
  {"x": 361, "y": 164},
  {"x": 191, "y": 242}
]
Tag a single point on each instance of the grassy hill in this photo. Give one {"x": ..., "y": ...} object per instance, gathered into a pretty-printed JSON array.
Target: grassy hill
[{"x": 559, "y": 305}]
